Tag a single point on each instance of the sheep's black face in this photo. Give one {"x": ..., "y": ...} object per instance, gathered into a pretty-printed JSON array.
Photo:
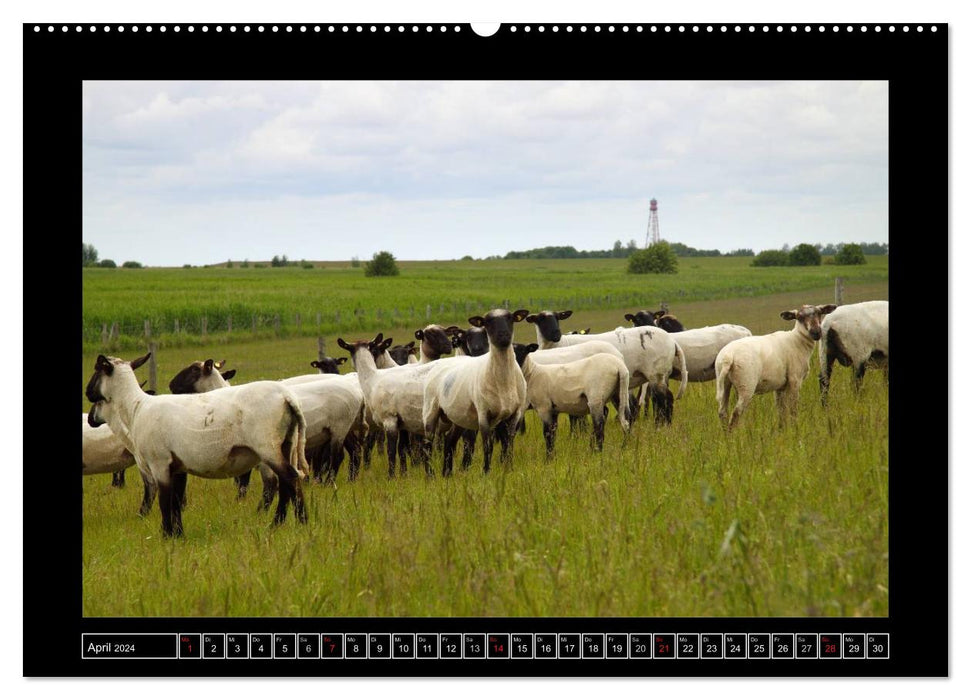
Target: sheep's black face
[
  {"x": 95, "y": 419},
  {"x": 328, "y": 365},
  {"x": 400, "y": 353},
  {"x": 641, "y": 318},
  {"x": 498, "y": 325},
  {"x": 185, "y": 381},
  {"x": 475, "y": 342},
  {"x": 669, "y": 324},
  {"x": 522, "y": 351},
  {"x": 435, "y": 341},
  {"x": 548, "y": 323}
]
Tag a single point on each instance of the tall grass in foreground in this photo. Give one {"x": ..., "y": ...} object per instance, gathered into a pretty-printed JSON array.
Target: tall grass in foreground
[{"x": 684, "y": 520}]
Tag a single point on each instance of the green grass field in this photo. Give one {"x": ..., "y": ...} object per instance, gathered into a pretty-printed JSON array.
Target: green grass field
[{"x": 683, "y": 520}]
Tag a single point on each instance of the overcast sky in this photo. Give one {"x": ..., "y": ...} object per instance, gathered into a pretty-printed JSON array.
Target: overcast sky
[{"x": 197, "y": 172}]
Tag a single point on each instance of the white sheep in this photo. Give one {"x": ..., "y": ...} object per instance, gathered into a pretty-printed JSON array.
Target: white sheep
[
  {"x": 485, "y": 393},
  {"x": 393, "y": 396},
  {"x": 775, "y": 362},
  {"x": 576, "y": 388},
  {"x": 649, "y": 353},
  {"x": 702, "y": 345},
  {"x": 215, "y": 435},
  {"x": 855, "y": 335}
]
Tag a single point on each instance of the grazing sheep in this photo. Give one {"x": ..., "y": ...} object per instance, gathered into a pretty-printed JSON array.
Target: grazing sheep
[
  {"x": 485, "y": 393},
  {"x": 329, "y": 365},
  {"x": 775, "y": 362},
  {"x": 214, "y": 435},
  {"x": 393, "y": 396},
  {"x": 855, "y": 335},
  {"x": 575, "y": 388},
  {"x": 649, "y": 353}
]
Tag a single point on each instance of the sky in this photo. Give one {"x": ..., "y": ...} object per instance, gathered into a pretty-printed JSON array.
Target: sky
[{"x": 199, "y": 172}]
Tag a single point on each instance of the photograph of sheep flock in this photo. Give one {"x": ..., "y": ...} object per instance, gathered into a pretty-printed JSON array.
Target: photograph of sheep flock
[{"x": 485, "y": 349}]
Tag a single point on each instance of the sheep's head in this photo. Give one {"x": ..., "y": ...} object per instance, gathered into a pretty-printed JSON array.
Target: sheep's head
[
  {"x": 435, "y": 340},
  {"x": 548, "y": 323},
  {"x": 667, "y": 322},
  {"x": 498, "y": 324},
  {"x": 400, "y": 353},
  {"x": 374, "y": 347},
  {"x": 809, "y": 317},
  {"x": 522, "y": 351},
  {"x": 473, "y": 341},
  {"x": 329, "y": 365},
  {"x": 200, "y": 377},
  {"x": 641, "y": 318},
  {"x": 104, "y": 367}
]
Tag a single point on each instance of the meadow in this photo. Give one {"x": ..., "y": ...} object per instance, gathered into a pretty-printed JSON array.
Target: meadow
[{"x": 682, "y": 520}]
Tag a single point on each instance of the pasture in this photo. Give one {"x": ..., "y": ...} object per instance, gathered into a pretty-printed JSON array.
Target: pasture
[{"x": 682, "y": 520}]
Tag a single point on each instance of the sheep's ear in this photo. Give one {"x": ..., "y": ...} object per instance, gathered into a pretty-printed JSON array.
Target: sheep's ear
[
  {"x": 477, "y": 321},
  {"x": 220, "y": 364},
  {"x": 519, "y": 315},
  {"x": 377, "y": 339},
  {"x": 343, "y": 343},
  {"x": 452, "y": 330},
  {"x": 532, "y": 347},
  {"x": 419, "y": 334},
  {"x": 788, "y": 315},
  {"x": 316, "y": 365},
  {"x": 151, "y": 392},
  {"x": 564, "y": 314},
  {"x": 135, "y": 364},
  {"x": 828, "y": 309},
  {"x": 228, "y": 374},
  {"x": 385, "y": 345},
  {"x": 410, "y": 345},
  {"x": 207, "y": 366},
  {"x": 340, "y": 360},
  {"x": 531, "y": 318},
  {"x": 629, "y": 317},
  {"x": 103, "y": 364},
  {"x": 659, "y": 314}
]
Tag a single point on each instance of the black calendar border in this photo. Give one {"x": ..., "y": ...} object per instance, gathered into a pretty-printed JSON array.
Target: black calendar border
[{"x": 916, "y": 65}]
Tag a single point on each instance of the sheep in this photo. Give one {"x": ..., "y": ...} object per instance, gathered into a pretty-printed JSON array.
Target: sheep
[
  {"x": 775, "y": 362},
  {"x": 487, "y": 393},
  {"x": 575, "y": 388},
  {"x": 435, "y": 341},
  {"x": 215, "y": 435},
  {"x": 393, "y": 396},
  {"x": 96, "y": 430},
  {"x": 649, "y": 353},
  {"x": 102, "y": 452},
  {"x": 329, "y": 365},
  {"x": 660, "y": 319},
  {"x": 472, "y": 341},
  {"x": 406, "y": 354},
  {"x": 205, "y": 376},
  {"x": 854, "y": 335},
  {"x": 701, "y": 347}
]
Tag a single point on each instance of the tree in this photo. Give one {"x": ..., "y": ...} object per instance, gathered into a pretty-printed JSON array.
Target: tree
[
  {"x": 107, "y": 262},
  {"x": 229, "y": 263},
  {"x": 850, "y": 254},
  {"x": 132, "y": 264},
  {"x": 245, "y": 263},
  {"x": 279, "y": 261},
  {"x": 618, "y": 251},
  {"x": 656, "y": 258},
  {"x": 89, "y": 255},
  {"x": 355, "y": 261},
  {"x": 771, "y": 258},
  {"x": 382, "y": 265},
  {"x": 631, "y": 246},
  {"x": 805, "y": 254}
]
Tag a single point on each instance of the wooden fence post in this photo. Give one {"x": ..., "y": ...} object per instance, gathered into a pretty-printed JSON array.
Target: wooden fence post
[
  {"x": 839, "y": 291},
  {"x": 428, "y": 311},
  {"x": 152, "y": 362},
  {"x": 298, "y": 323},
  {"x": 321, "y": 351},
  {"x": 254, "y": 323},
  {"x": 205, "y": 327},
  {"x": 114, "y": 331},
  {"x": 229, "y": 324},
  {"x": 276, "y": 324},
  {"x": 104, "y": 334},
  {"x": 176, "y": 326}
]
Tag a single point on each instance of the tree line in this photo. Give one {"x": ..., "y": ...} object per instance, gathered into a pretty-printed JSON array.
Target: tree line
[{"x": 681, "y": 250}]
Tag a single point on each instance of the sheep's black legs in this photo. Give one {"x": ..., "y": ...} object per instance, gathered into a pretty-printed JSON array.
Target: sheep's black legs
[
  {"x": 486, "y": 432},
  {"x": 549, "y": 433},
  {"x": 448, "y": 449},
  {"x": 147, "y": 497},
  {"x": 404, "y": 444},
  {"x": 118, "y": 479},
  {"x": 468, "y": 447},
  {"x": 391, "y": 441},
  {"x": 270, "y": 485},
  {"x": 170, "y": 504},
  {"x": 353, "y": 446},
  {"x": 663, "y": 402},
  {"x": 242, "y": 483},
  {"x": 598, "y": 428}
]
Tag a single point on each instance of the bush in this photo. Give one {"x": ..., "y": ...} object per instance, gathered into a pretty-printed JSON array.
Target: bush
[
  {"x": 107, "y": 263},
  {"x": 187, "y": 266},
  {"x": 245, "y": 263},
  {"x": 260, "y": 265},
  {"x": 805, "y": 254},
  {"x": 132, "y": 264},
  {"x": 278, "y": 261},
  {"x": 355, "y": 261},
  {"x": 382, "y": 265},
  {"x": 658, "y": 258},
  {"x": 740, "y": 253},
  {"x": 850, "y": 254},
  {"x": 307, "y": 265},
  {"x": 771, "y": 258},
  {"x": 467, "y": 257}
]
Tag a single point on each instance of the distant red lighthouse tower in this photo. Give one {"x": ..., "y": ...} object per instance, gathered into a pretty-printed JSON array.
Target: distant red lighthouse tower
[{"x": 653, "y": 229}]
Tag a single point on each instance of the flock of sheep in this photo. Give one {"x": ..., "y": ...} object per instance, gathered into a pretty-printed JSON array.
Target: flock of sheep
[{"x": 413, "y": 397}]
